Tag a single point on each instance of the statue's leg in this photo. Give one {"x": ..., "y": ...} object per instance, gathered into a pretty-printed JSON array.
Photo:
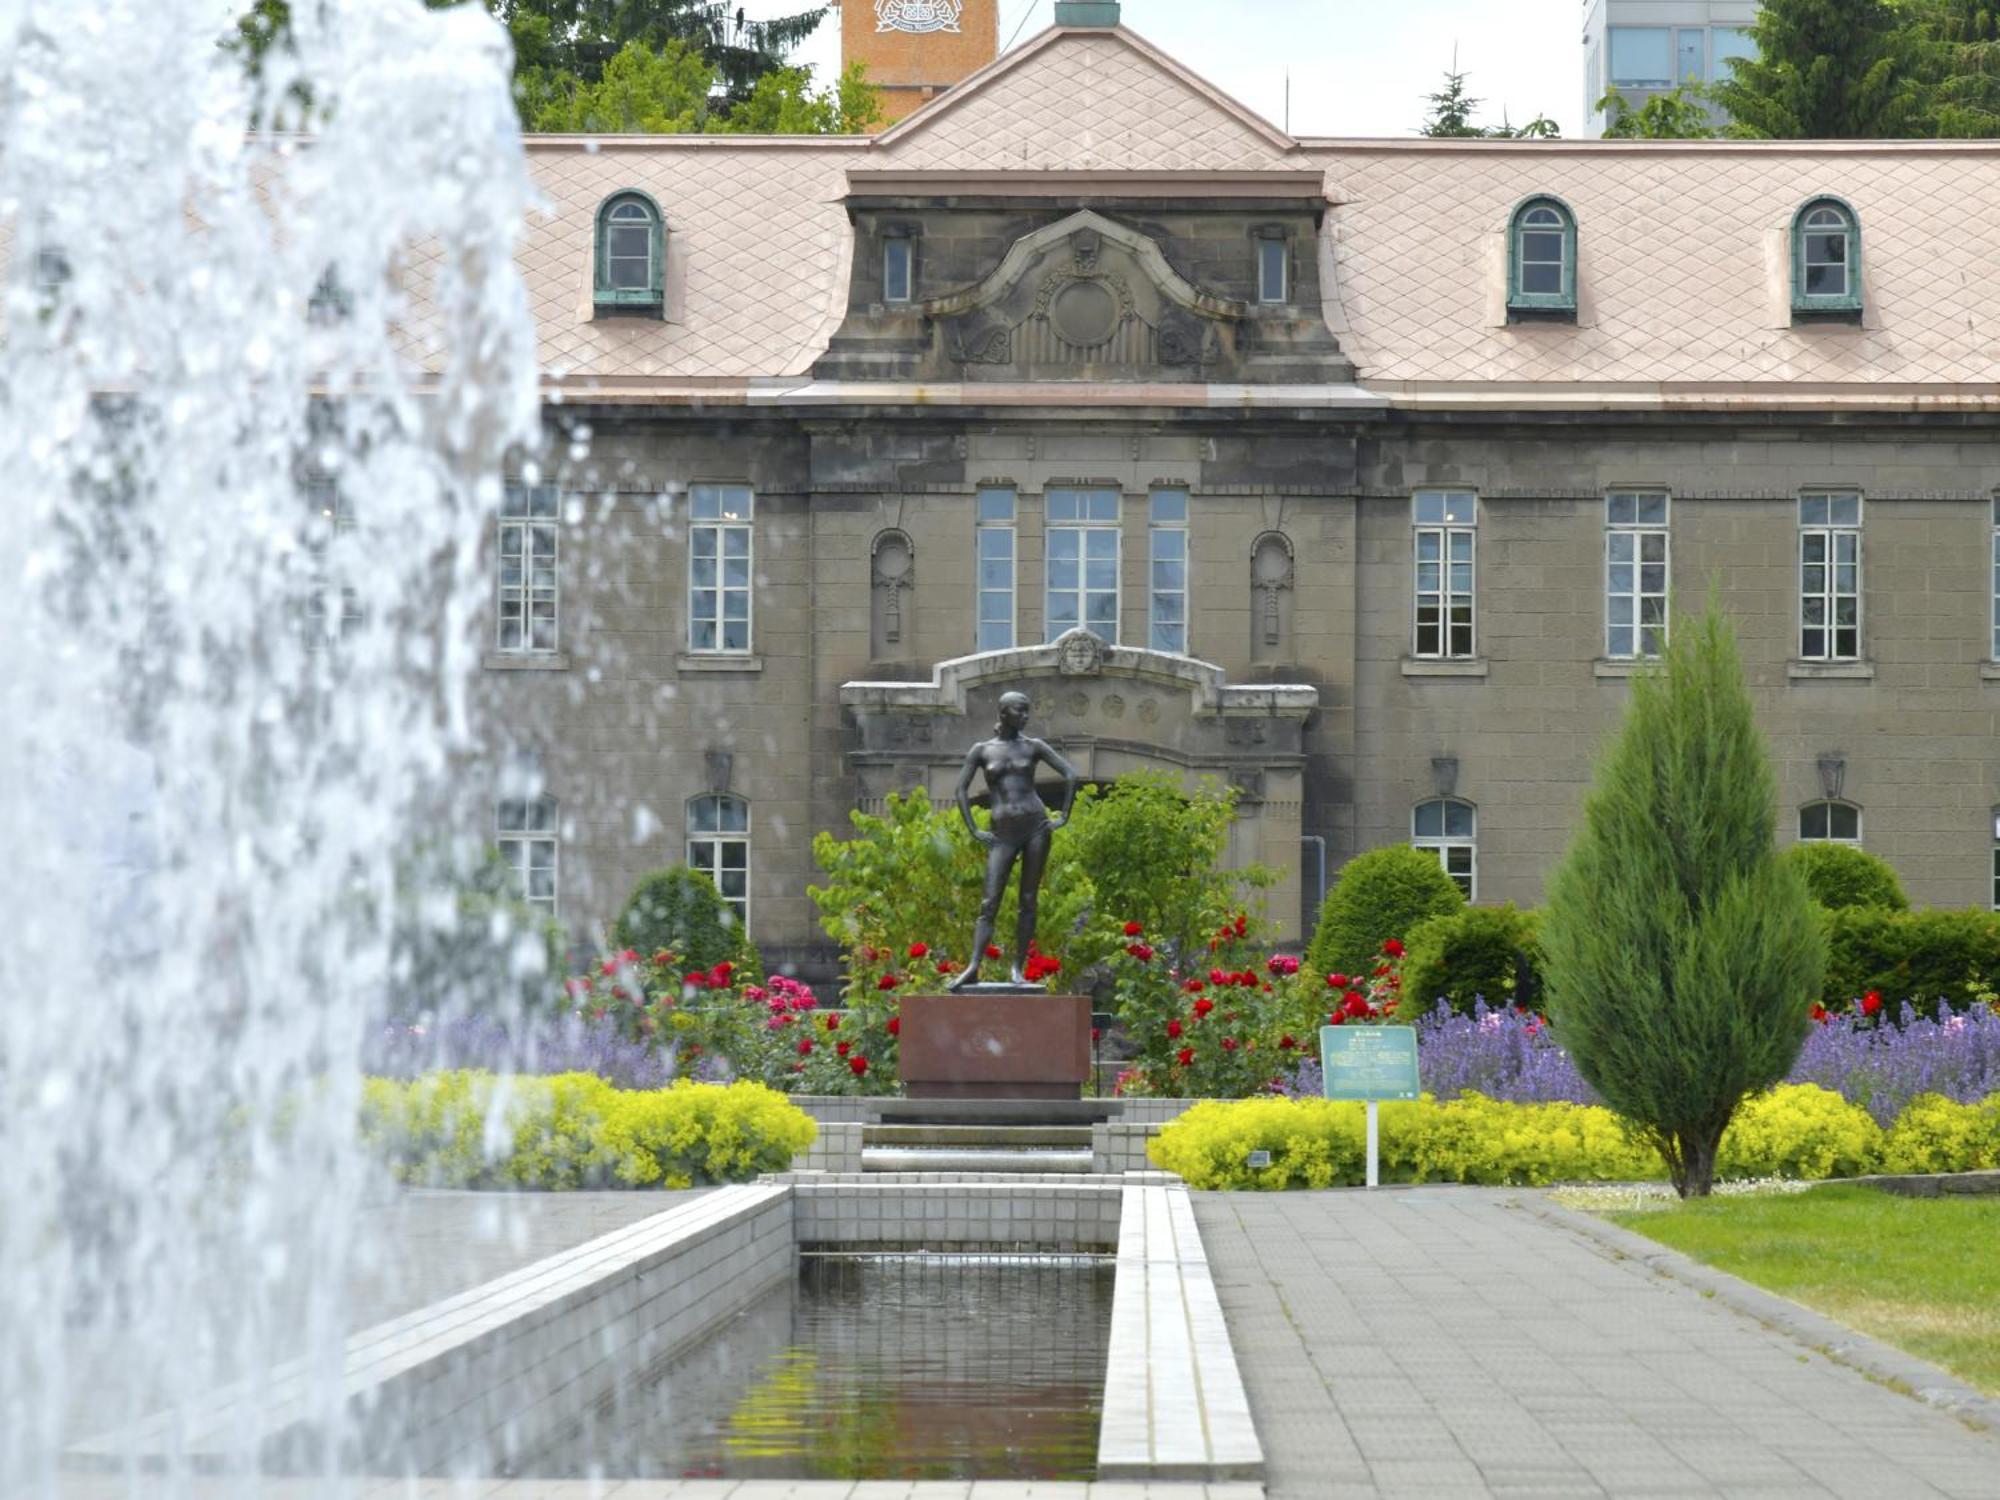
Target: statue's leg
[
  {"x": 1034, "y": 856},
  {"x": 999, "y": 861}
]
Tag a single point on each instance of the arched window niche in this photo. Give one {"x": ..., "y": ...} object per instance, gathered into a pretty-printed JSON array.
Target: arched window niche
[
  {"x": 1826, "y": 262},
  {"x": 1541, "y": 261},
  {"x": 631, "y": 256}
]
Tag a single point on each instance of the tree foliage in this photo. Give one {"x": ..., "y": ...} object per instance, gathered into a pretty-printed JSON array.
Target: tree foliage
[
  {"x": 1452, "y": 108},
  {"x": 1380, "y": 895},
  {"x": 680, "y": 910},
  {"x": 1832, "y": 69},
  {"x": 1681, "y": 953},
  {"x": 1680, "y": 114},
  {"x": 646, "y": 66}
]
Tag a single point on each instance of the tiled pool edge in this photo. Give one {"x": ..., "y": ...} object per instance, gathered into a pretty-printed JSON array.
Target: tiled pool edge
[{"x": 444, "y": 1380}]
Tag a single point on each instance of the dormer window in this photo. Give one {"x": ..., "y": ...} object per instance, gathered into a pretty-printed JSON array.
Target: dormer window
[
  {"x": 1541, "y": 260},
  {"x": 631, "y": 255},
  {"x": 1826, "y": 260},
  {"x": 899, "y": 267},
  {"x": 1273, "y": 268}
]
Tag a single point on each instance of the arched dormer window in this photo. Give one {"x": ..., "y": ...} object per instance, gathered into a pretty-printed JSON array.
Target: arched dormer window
[
  {"x": 1826, "y": 259},
  {"x": 1541, "y": 259},
  {"x": 631, "y": 255}
]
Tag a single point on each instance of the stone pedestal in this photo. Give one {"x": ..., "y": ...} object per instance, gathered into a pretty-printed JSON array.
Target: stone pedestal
[{"x": 986, "y": 1045}]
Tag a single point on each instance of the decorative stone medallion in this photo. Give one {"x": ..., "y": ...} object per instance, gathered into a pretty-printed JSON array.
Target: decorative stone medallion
[
  {"x": 1149, "y": 711},
  {"x": 1113, "y": 706},
  {"x": 1080, "y": 655},
  {"x": 918, "y": 15},
  {"x": 1077, "y": 705}
]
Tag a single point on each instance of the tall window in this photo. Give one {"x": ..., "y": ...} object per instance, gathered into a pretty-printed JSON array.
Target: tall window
[
  {"x": 528, "y": 541},
  {"x": 719, "y": 560},
  {"x": 996, "y": 569},
  {"x": 1541, "y": 255},
  {"x": 1830, "y": 577},
  {"x": 525, "y": 829},
  {"x": 1829, "y": 823},
  {"x": 631, "y": 254},
  {"x": 898, "y": 268},
  {"x": 1083, "y": 561},
  {"x": 1444, "y": 554},
  {"x": 718, "y": 845},
  {"x": 1635, "y": 573},
  {"x": 333, "y": 608},
  {"x": 1273, "y": 269},
  {"x": 1996, "y": 859},
  {"x": 1642, "y": 57},
  {"x": 1996, "y": 578},
  {"x": 1826, "y": 258},
  {"x": 1168, "y": 607},
  {"x": 1450, "y": 828}
]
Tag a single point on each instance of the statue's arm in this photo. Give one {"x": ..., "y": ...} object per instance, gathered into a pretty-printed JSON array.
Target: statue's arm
[
  {"x": 1045, "y": 751},
  {"x": 965, "y": 775}
]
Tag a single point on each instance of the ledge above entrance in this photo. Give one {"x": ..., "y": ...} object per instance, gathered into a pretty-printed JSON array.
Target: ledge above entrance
[{"x": 1079, "y": 654}]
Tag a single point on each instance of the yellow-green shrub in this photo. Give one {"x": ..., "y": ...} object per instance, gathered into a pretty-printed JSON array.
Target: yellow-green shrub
[
  {"x": 1322, "y": 1143},
  {"x": 1936, "y": 1134},
  {"x": 470, "y": 1129},
  {"x": 1799, "y": 1130}
]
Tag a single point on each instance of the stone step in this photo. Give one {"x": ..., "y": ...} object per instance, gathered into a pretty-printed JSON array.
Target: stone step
[
  {"x": 994, "y": 1111},
  {"x": 978, "y": 1137},
  {"x": 898, "y": 1159}
]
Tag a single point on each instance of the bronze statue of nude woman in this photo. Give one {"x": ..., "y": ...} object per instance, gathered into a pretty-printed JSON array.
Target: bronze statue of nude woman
[{"x": 1022, "y": 826}]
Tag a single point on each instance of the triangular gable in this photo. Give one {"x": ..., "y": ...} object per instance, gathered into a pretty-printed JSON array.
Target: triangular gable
[{"x": 1074, "y": 97}]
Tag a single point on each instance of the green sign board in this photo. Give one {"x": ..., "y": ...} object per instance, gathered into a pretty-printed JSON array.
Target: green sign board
[{"x": 1369, "y": 1062}]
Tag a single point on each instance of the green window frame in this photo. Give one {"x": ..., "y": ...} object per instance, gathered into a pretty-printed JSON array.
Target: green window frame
[
  {"x": 1541, "y": 257},
  {"x": 1826, "y": 258},
  {"x": 625, "y": 279}
]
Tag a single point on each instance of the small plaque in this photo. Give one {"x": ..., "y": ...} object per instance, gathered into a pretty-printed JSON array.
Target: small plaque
[{"x": 1369, "y": 1062}]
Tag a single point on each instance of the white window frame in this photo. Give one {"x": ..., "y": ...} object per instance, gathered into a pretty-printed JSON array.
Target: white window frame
[
  {"x": 992, "y": 535},
  {"x": 1267, "y": 294},
  {"x": 1446, "y": 844},
  {"x": 1996, "y": 580},
  {"x": 705, "y": 847},
  {"x": 721, "y": 518},
  {"x": 1177, "y": 533},
  {"x": 1628, "y": 527},
  {"x": 1829, "y": 837},
  {"x": 1443, "y": 519},
  {"x": 1828, "y": 535},
  {"x": 530, "y": 516},
  {"x": 1996, "y": 859},
  {"x": 1084, "y": 529},
  {"x": 529, "y": 838},
  {"x": 893, "y": 248}
]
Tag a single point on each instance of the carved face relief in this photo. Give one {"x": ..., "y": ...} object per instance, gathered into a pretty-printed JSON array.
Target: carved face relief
[
  {"x": 918, "y": 15},
  {"x": 1082, "y": 655}
]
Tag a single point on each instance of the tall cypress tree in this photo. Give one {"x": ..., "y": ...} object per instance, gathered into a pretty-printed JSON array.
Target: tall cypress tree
[{"x": 1682, "y": 954}]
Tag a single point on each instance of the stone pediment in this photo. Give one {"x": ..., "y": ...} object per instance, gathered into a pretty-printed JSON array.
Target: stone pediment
[{"x": 1084, "y": 294}]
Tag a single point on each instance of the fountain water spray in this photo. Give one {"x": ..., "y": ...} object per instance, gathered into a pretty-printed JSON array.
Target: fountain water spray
[{"x": 255, "y": 390}]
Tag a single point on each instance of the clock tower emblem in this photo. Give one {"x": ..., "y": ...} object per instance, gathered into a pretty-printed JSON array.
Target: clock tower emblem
[
  {"x": 916, "y": 49},
  {"x": 918, "y": 15}
]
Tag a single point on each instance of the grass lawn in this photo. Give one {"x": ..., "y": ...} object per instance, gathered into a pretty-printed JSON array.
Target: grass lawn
[{"x": 1920, "y": 1273}]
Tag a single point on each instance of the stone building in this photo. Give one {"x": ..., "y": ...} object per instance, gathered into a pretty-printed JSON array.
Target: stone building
[{"x": 1355, "y": 473}]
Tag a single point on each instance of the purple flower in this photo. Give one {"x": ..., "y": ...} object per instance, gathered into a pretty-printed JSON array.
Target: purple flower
[
  {"x": 1882, "y": 1066},
  {"x": 564, "y": 1044}
]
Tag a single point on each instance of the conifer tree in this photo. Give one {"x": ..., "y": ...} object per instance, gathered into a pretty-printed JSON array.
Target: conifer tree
[{"x": 1681, "y": 953}]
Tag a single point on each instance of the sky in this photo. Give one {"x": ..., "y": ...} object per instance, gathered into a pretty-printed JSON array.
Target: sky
[{"x": 1358, "y": 67}]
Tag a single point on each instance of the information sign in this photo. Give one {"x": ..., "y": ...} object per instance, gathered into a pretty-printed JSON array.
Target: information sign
[{"x": 1369, "y": 1062}]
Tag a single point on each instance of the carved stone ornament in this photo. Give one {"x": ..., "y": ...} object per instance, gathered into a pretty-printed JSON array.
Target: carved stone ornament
[
  {"x": 918, "y": 16},
  {"x": 986, "y": 346},
  {"x": 893, "y": 569},
  {"x": 1080, "y": 654},
  {"x": 1270, "y": 575}
]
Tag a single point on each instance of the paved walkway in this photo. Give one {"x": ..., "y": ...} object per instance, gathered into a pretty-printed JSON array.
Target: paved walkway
[{"x": 1441, "y": 1342}]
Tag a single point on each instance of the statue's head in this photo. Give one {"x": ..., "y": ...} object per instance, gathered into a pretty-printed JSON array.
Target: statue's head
[{"x": 1014, "y": 711}]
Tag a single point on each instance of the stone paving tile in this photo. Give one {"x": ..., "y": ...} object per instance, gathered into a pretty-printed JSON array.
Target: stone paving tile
[{"x": 1474, "y": 1349}]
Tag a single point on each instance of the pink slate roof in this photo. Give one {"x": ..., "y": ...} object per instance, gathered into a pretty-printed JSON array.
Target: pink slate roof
[{"x": 1682, "y": 264}]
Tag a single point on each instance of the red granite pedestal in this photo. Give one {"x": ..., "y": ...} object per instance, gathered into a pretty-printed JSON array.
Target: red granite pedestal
[{"x": 987, "y": 1046}]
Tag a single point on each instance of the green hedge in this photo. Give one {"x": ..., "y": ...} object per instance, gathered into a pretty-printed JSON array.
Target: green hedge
[
  {"x": 679, "y": 909},
  {"x": 1840, "y": 875},
  {"x": 1794, "y": 1130},
  {"x": 466, "y": 1128},
  {"x": 1919, "y": 956},
  {"x": 1482, "y": 951},
  {"x": 1380, "y": 895}
]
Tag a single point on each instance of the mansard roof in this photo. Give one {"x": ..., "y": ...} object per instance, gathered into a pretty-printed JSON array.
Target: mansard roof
[{"x": 1682, "y": 259}]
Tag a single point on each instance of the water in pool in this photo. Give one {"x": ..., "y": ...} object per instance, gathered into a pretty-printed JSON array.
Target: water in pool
[{"x": 873, "y": 1367}]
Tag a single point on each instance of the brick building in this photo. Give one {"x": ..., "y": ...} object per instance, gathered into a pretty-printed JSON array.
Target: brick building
[{"x": 1352, "y": 472}]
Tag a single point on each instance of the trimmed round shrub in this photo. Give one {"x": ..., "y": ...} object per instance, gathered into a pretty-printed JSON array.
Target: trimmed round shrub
[
  {"x": 1840, "y": 875},
  {"x": 1380, "y": 895},
  {"x": 1936, "y": 1134},
  {"x": 680, "y": 909},
  {"x": 1481, "y": 952},
  {"x": 1919, "y": 956}
]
